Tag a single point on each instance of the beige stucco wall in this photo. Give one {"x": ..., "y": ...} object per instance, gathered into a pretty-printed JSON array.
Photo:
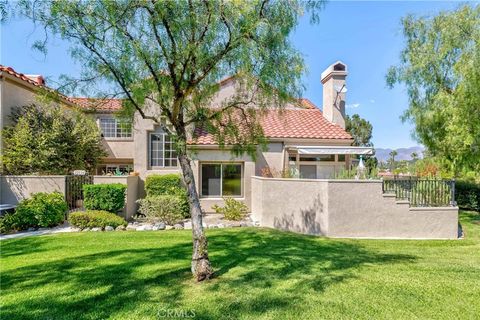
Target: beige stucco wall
[
  {"x": 16, "y": 188},
  {"x": 298, "y": 205},
  {"x": 346, "y": 208},
  {"x": 132, "y": 191}
]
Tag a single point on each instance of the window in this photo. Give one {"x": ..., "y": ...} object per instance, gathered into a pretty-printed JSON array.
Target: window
[
  {"x": 341, "y": 157},
  {"x": 162, "y": 150},
  {"x": 114, "y": 128},
  {"x": 321, "y": 157},
  {"x": 114, "y": 169},
  {"x": 221, "y": 180},
  {"x": 308, "y": 171}
]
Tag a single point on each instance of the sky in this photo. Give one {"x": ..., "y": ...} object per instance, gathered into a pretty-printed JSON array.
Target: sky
[{"x": 364, "y": 35}]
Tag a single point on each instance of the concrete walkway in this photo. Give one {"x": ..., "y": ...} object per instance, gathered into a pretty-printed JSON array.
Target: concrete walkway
[{"x": 60, "y": 229}]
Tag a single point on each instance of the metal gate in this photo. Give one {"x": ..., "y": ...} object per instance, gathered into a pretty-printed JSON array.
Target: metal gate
[{"x": 74, "y": 191}]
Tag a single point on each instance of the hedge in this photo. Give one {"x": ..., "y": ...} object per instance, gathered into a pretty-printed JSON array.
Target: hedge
[
  {"x": 95, "y": 219},
  {"x": 467, "y": 195},
  {"x": 168, "y": 184},
  {"x": 163, "y": 207},
  {"x": 108, "y": 197},
  {"x": 40, "y": 210}
]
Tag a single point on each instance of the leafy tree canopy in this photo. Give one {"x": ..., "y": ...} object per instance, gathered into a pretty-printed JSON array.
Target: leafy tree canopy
[
  {"x": 360, "y": 129},
  {"x": 440, "y": 67},
  {"x": 166, "y": 59},
  {"x": 48, "y": 140}
]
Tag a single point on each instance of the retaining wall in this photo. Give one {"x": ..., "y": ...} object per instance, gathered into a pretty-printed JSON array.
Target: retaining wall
[
  {"x": 346, "y": 208},
  {"x": 16, "y": 188}
]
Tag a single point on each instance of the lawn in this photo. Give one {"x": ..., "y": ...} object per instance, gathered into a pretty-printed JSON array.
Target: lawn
[{"x": 261, "y": 274}]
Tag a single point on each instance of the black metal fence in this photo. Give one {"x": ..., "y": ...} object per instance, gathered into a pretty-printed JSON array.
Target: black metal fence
[
  {"x": 74, "y": 191},
  {"x": 422, "y": 192}
]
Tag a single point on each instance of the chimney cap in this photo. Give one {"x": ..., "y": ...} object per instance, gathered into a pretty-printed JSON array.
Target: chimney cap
[
  {"x": 337, "y": 68},
  {"x": 39, "y": 79}
]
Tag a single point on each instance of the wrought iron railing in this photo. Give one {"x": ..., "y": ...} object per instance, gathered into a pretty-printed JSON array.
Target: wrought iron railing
[{"x": 422, "y": 192}]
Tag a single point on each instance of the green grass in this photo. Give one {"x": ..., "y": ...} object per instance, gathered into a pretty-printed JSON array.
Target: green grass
[{"x": 261, "y": 274}]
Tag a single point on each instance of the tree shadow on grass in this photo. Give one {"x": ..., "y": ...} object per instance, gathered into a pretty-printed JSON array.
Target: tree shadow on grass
[
  {"x": 257, "y": 271},
  {"x": 286, "y": 265}
]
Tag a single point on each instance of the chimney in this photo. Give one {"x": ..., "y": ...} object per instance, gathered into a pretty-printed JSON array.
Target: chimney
[
  {"x": 334, "y": 92},
  {"x": 37, "y": 78}
]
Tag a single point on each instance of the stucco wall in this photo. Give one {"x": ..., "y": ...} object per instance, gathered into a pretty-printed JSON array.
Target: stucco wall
[
  {"x": 346, "y": 208},
  {"x": 132, "y": 191},
  {"x": 16, "y": 188}
]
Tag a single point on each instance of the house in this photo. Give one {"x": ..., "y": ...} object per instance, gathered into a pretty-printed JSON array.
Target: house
[{"x": 302, "y": 139}]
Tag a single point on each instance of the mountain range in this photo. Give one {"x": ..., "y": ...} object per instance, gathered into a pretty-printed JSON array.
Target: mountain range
[{"x": 383, "y": 154}]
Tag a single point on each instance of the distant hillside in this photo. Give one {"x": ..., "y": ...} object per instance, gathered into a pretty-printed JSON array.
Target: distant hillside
[{"x": 403, "y": 153}]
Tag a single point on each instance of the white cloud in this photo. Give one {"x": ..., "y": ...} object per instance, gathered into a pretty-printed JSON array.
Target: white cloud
[
  {"x": 353, "y": 105},
  {"x": 372, "y": 100}
]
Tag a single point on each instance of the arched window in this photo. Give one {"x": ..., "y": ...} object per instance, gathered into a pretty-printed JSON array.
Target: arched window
[{"x": 162, "y": 150}]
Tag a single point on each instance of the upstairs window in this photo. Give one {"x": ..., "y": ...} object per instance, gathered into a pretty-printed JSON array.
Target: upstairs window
[
  {"x": 163, "y": 152},
  {"x": 115, "y": 128}
]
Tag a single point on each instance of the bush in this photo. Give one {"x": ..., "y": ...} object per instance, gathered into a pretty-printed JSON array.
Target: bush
[
  {"x": 41, "y": 210},
  {"x": 8, "y": 222},
  {"x": 163, "y": 207},
  {"x": 95, "y": 219},
  {"x": 168, "y": 184},
  {"x": 233, "y": 209},
  {"x": 108, "y": 197},
  {"x": 467, "y": 195}
]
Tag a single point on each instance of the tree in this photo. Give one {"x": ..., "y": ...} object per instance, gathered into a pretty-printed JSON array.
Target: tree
[
  {"x": 360, "y": 130},
  {"x": 440, "y": 67},
  {"x": 414, "y": 156},
  {"x": 48, "y": 140},
  {"x": 166, "y": 59},
  {"x": 393, "y": 154}
]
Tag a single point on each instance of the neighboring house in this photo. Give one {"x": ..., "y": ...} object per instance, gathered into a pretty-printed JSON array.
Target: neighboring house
[{"x": 301, "y": 139}]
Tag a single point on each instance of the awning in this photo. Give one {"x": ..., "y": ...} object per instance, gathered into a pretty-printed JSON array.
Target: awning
[{"x": 334, "y": 150}]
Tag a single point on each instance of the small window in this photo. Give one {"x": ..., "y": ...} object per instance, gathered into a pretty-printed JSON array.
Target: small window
[
  {"x": 321, "y": 157},
  {"x": 114, "y": 128},
  {"x": 221, "y": 179},
  {"x": 114, "y": 169},
  {"x": 341, "y": 158}
]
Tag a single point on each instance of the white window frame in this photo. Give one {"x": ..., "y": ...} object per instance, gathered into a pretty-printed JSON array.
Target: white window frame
[
  {"x": 116, "y": 137},
  {"x": 163, "y": 134},
  {"x": 241, "y": 164}
]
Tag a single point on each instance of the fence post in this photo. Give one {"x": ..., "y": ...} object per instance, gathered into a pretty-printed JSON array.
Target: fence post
[{"x": 453, "y": 203}]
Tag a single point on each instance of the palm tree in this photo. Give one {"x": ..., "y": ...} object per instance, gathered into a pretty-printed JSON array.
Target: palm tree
[
  {"x": 393, "y": 154},
  {"x": 414, "y": 156}
]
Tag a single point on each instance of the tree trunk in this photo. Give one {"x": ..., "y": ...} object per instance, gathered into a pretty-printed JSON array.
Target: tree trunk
[{"x": 201, "y": 267}]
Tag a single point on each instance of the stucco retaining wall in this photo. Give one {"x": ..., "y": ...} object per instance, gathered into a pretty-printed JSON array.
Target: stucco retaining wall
[
  {"x": 16, "y": 188},
  {"x": 346, "y": 208}
]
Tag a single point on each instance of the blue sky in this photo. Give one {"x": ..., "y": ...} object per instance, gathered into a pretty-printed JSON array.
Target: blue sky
[{"x": 364, "y": 35}]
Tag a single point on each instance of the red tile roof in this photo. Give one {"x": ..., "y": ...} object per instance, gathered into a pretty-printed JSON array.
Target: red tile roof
[
  {"x": 288, "y": 123},
  {"x": 21, "y": 76},
  {"x": 35, "y": 80},
  {"x": 98, "y": 104},
  {"x": 307, "y": 123}
]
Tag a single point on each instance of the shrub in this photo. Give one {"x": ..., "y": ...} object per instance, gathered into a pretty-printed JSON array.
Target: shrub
[
  {"x": 41, "y": 210},
  {"x": 162, "y": 207},
  {"x": 168, "y": 184},
  {"x": 467, "y": 195},
  {"x": 95, "y": 219},
  {"x": 233, "y": 209},
  {"x": 108, "y": 197},
  {"x": 8, "y": 222}
]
